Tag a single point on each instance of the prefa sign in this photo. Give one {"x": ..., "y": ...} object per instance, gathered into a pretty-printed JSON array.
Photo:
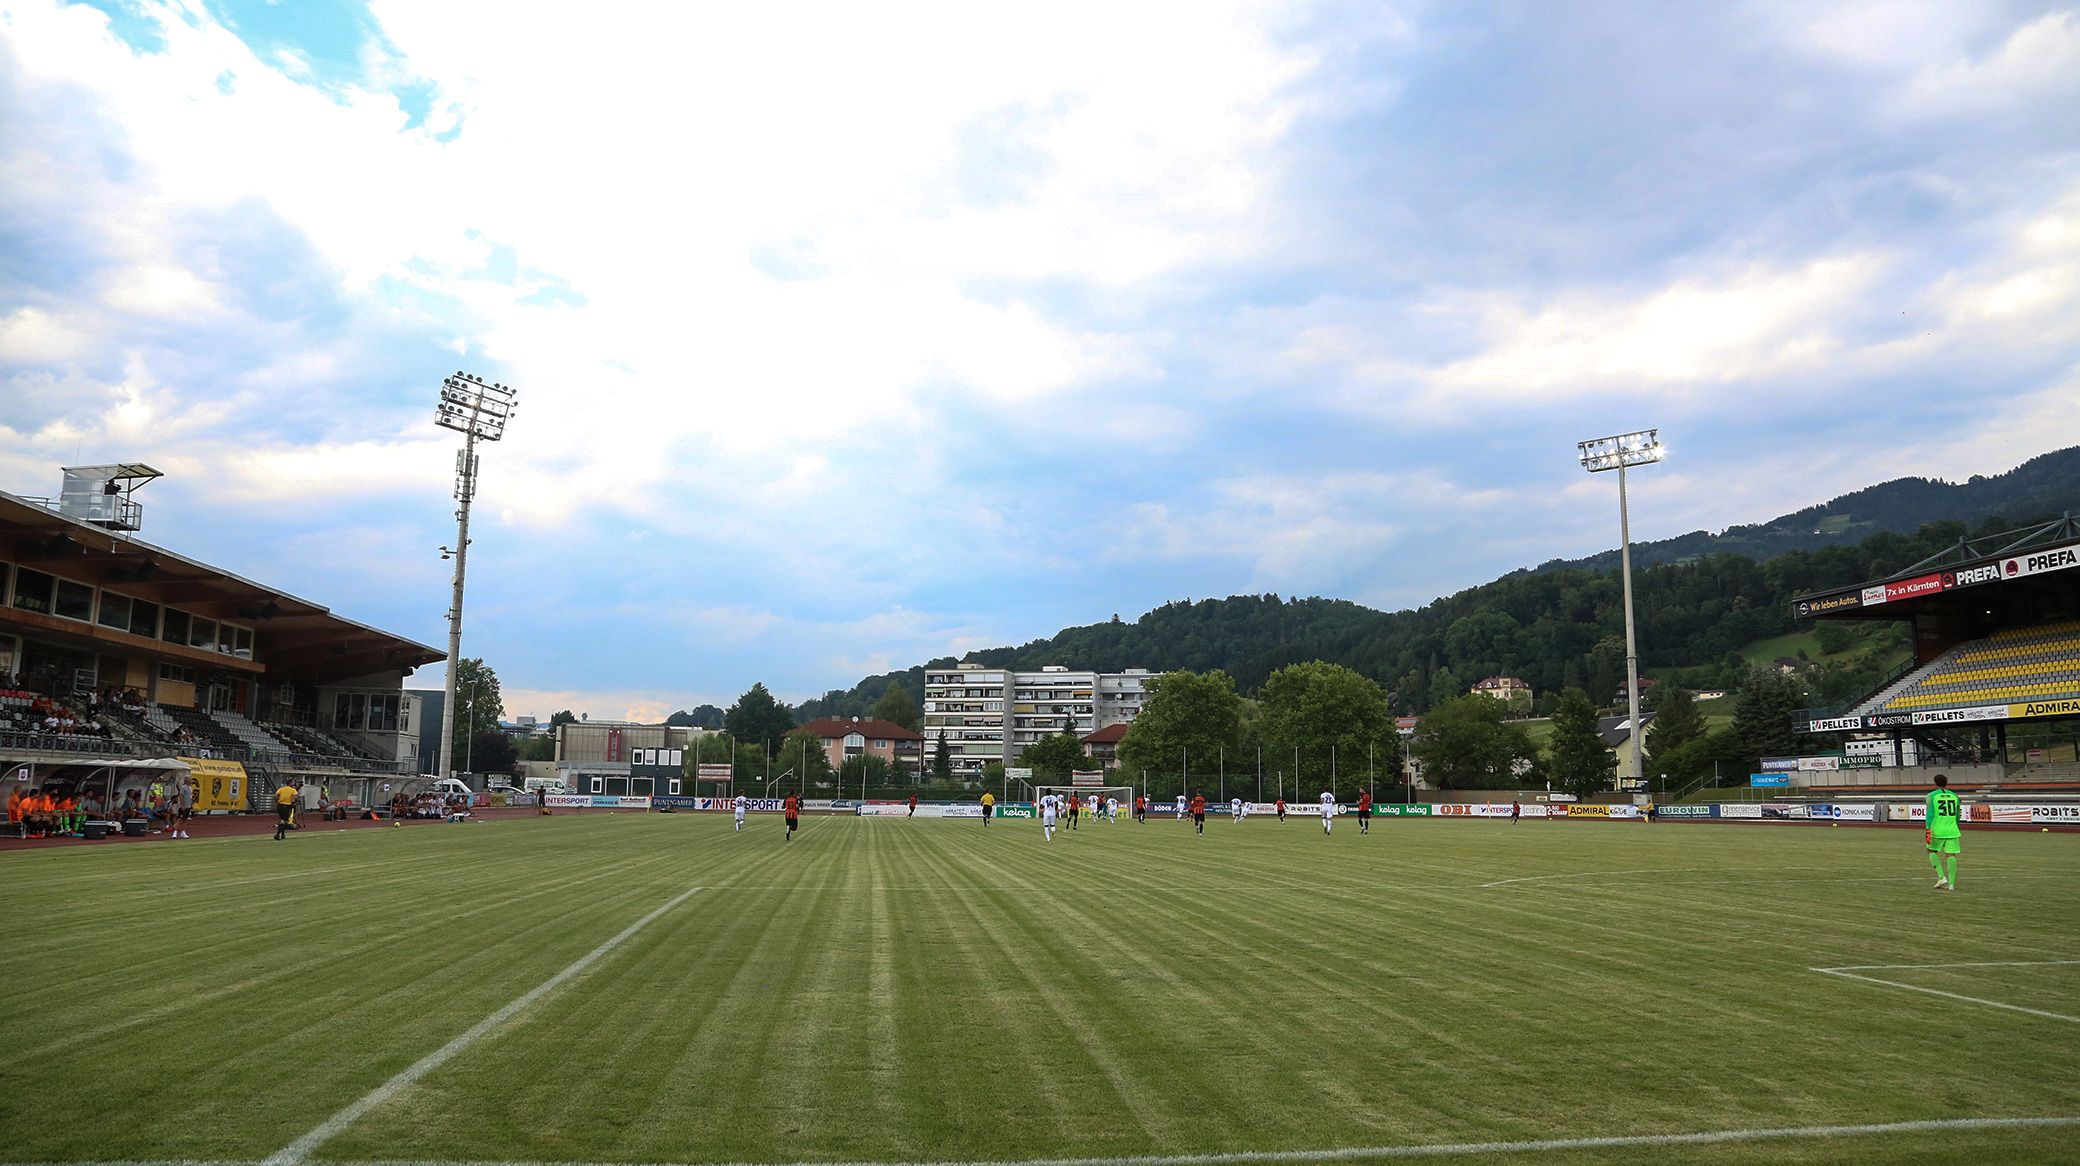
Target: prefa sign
[{"x": 2055, "y": 559}]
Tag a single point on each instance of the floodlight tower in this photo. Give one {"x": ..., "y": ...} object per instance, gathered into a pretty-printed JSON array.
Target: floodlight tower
[
  {"x": 478, "y": 411},
  {"x": 1618, "y": 453}
]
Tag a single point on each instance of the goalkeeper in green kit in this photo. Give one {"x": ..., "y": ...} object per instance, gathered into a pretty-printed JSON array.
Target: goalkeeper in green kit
[{"x": 1944, "y": 813}]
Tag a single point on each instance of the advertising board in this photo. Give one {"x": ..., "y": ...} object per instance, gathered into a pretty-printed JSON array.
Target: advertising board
[
  {"x": 2045, "y": 708},
  {"x": 1739, "y": 810},
  {"x": 597, "y": 802},
  {"x": 1972, "y": 576},
  {"x": 1783, "y": 811},
  {"x": 1912, "y": 588},
  {"x": 2039, "y": 562},
  {"x": 1822, "y": 604},
  {"x": 1833, "y": 725},
  {"x": 1767, "y": 780},
  {"x": 1621, "y": 810},
  {"x": 1684, "y": 811},
  {"x": 1984, "y": 712}
]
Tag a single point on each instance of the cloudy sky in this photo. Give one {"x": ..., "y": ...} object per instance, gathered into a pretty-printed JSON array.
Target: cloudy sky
[{"x": 850, "y": 335}]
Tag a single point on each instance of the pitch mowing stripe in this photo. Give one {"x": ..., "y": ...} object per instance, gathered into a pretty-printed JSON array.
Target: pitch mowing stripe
[
  {"x": 1354, "y": 1153},
  {"x": 299, "y": 1151}
]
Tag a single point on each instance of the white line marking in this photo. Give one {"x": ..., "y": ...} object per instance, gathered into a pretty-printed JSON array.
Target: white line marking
[
  {"x": 1917, "y": 967},
  {"x": 1846, "y": 974},
  {"x": 1585, "y": 874},
  {"x": 299, "y": 1151},
  {"x": 1433, "y": 1150}
]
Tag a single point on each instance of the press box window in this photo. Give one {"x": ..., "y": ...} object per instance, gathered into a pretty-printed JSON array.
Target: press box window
[
  {"x": 115, "y": 611},
  {"x": 75, "y": 601},
  {"x": 32, "y": 590}
]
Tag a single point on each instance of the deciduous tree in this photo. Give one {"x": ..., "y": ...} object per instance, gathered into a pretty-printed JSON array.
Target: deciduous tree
[
  {"x": 1054, "y": 757},
  {"x": 758, "y": 721},
  {"x": 896, "y": 706},
  {"x": 1581, "y": 763},
  {"x": 1332, "y": 716},
  {"x": 1191, "y": 715},
  {"x": 1463, "y": 744}
]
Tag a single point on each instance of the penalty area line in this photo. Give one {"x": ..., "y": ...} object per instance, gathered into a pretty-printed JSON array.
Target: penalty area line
[
  {"x": 1355, "y": 1153},
  {"x": 299, "y": 1151}
]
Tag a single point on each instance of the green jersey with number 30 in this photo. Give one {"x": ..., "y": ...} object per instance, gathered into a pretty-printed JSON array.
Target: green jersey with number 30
[{"x": 1943, "y": 812}]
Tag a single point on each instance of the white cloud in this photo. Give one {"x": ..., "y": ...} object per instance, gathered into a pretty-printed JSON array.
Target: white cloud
[
  {"x": 2038, "y": 60},
  {"x": 1752, "y": 322},
  {"x": 34, "y": 336}
]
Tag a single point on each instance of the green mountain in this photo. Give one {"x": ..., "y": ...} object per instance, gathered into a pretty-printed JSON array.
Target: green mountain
[
  {"x": 1699, "y": 600},
  {"x": 2041, "y": 486}
]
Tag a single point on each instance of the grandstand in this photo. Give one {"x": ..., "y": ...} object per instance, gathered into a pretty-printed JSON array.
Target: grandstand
[
  {"x": 1996, "y": 638},
  {"x": 113, "y": 649}
]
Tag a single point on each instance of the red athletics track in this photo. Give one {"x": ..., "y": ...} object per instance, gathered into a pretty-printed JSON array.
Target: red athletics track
[{"x": 249, "y": 825}]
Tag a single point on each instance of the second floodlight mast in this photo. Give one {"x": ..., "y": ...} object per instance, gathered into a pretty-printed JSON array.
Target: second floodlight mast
[
  {"x": 1618, "y": 453},
  {"x": 478, "y": 410}
]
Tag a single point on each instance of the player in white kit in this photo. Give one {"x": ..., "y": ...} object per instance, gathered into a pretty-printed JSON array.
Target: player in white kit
[
  {"x": 1180, "y": 807},
  {"x": 1328, "y": 810},
  {"x": 740, "y": 803},
  {"x": 1111, "y": 810},
  {"x": 1047, "y": 812},
  {"x": 1235, "y": 809}
]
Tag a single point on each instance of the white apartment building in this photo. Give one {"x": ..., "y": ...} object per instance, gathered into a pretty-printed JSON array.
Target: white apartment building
[
  {"x": 1052, "y": 700},
  {"x": 1121, "y": 695},
  {"x": 964, "y": 706},
  {"x": 990, "y": 714}
]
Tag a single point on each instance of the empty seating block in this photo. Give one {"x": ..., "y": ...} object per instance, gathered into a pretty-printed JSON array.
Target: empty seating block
[{"x": 2024, "y": 664}]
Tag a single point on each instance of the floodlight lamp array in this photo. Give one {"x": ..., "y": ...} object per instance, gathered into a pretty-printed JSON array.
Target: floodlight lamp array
[
  {"x": 470, "y": 404},
  {"x": 1624, "y": 450}
]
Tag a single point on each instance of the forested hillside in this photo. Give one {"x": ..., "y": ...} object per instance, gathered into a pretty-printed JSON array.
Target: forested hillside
[
  {"x": 1562, "y": 625},
  {"x": 2044, "y": 485}
]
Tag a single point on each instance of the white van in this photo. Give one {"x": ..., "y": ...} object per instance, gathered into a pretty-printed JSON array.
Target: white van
[{"x": 449, "y": 787}]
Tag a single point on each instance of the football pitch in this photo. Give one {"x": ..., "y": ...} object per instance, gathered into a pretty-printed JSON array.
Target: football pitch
[{"x": 656, "y": 988}]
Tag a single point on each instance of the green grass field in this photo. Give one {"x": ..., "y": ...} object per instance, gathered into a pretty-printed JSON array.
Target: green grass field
[{"x": 896, "y": 991}]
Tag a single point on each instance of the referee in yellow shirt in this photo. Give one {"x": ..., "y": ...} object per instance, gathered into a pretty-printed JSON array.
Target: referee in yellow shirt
[{"x": 284, "y": 806}]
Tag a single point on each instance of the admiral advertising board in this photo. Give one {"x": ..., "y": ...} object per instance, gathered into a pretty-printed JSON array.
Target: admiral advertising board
[
  {"x": 2040, "y": 562},
  {"x": 2045, "y": 708}
]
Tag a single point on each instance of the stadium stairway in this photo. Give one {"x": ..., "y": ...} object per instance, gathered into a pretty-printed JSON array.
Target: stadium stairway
[
  {"x": 1877, "y": 700},
  {"x": 251, "y": 733}
]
